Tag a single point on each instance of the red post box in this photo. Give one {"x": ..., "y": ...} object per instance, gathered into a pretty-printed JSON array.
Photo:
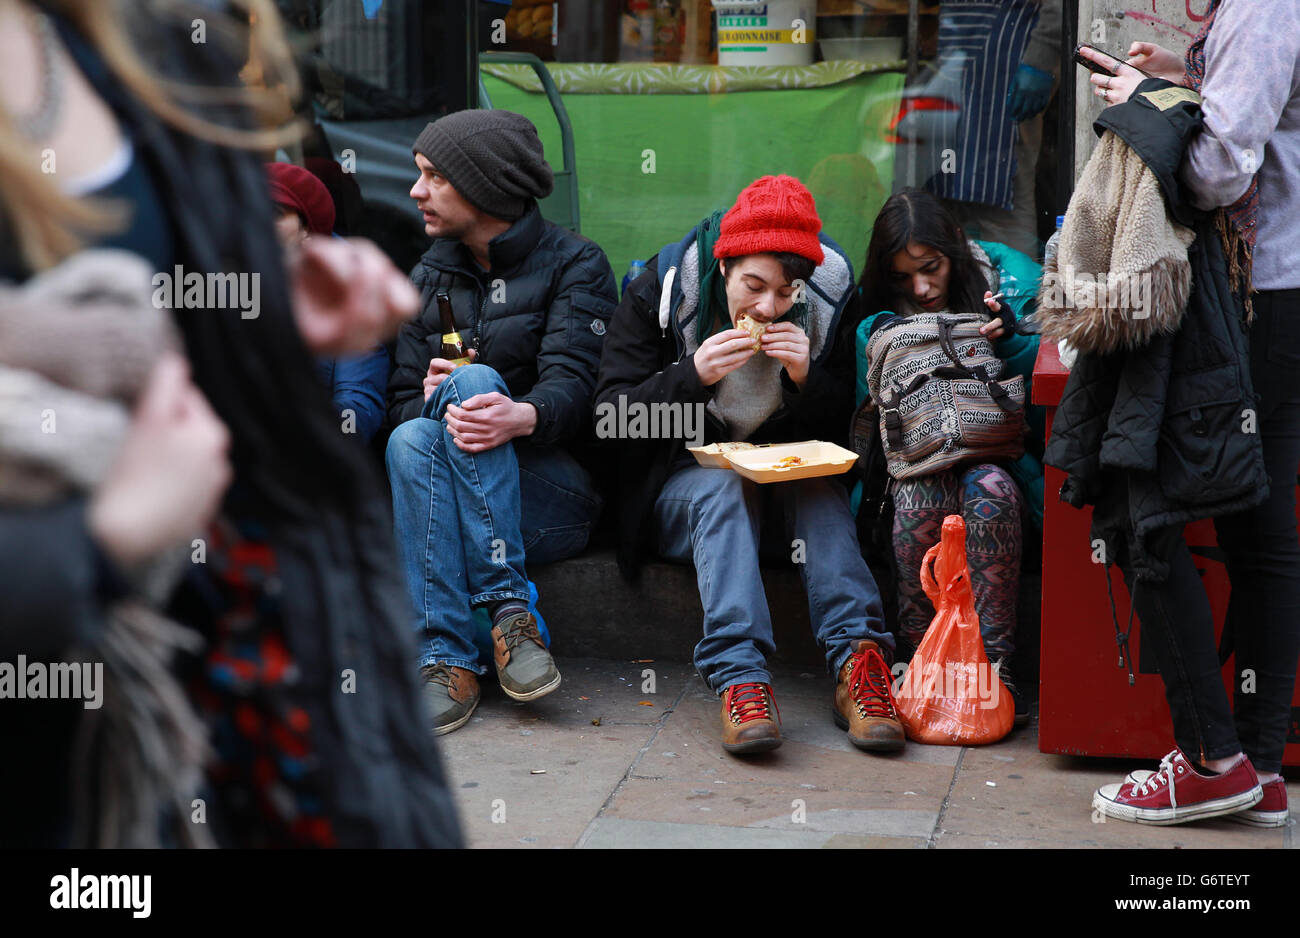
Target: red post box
[{"x": 1086, "y": 705}]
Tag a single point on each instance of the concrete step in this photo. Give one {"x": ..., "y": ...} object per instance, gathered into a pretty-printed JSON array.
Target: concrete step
[{"x": 592, "y": 612}]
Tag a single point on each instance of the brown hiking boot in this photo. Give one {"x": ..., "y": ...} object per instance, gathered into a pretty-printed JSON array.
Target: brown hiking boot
[
  {"x": 864, "y": 701},
  {"x": 452, "y": 694},
  {"x": 747, "y": 724}
]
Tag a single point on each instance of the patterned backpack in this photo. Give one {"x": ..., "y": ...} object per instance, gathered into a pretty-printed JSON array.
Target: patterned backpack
[{"x": 941, "y": 396}]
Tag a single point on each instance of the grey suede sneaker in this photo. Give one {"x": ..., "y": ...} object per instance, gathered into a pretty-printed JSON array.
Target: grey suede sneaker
[
  {"x": 452, "y": 694},
  {"x": 524, "y": 666}
]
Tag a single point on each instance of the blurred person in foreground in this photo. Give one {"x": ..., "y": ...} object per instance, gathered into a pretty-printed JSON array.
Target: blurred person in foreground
[{"x": 312, "y": 725}]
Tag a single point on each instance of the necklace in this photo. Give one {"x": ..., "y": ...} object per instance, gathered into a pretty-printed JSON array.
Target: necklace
[{"x": 38, "y": 125}]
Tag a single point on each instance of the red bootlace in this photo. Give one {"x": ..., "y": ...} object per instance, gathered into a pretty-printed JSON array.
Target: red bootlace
[
  {"x": 871, "y": 687},
  {"x": 749, "y": 702}
]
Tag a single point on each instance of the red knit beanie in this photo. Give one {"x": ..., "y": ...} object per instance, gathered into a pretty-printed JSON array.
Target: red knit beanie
[
  {"x": 771, "y": 215},
  {"x": 296, "y": 188}
]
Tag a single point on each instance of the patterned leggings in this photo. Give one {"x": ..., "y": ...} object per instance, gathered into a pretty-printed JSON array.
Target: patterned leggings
[{"x": 989, "y": 502}]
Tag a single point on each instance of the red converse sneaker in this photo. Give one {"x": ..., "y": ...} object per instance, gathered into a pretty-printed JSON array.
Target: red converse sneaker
[
  {"x": 1177, "y": 793},
  {"x": 747, "y": 724},
  {"x": 1272, "y": 809}
]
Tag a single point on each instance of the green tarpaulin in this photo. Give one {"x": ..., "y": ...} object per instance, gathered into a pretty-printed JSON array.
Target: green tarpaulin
[{"x": 650, "y": 166}]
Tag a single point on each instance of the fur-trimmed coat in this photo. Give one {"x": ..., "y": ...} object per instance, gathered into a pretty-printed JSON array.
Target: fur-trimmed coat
[{"x": 1155, "y": 426}]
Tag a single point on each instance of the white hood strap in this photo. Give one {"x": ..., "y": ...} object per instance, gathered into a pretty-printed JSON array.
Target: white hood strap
[{"x": 666, "y": 297}]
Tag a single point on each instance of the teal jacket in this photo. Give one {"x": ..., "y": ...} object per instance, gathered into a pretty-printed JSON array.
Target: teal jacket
[{"x": 1019, "y": 277}]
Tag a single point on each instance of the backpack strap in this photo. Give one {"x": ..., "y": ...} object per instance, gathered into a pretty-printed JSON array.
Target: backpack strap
[
  {"x": 891, "y": 399},
  {"x": 978, "y": 373}
]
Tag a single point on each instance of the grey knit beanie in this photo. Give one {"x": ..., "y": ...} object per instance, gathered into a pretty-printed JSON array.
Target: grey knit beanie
[{"x": 492, "y": 158}]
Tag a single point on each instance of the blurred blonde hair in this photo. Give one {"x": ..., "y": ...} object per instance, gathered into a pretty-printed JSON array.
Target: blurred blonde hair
[{"x": 47, "y": 224}]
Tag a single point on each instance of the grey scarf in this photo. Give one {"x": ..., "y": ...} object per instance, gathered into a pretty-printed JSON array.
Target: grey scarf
[{"x": 77, "y": 343}]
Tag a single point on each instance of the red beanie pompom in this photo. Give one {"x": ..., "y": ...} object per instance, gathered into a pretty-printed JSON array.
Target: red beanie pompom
[{"x": 772, "y": 214}]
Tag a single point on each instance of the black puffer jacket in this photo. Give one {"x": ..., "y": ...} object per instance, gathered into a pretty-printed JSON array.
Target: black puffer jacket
[
  {"x": 538, "y": 317},
  {"x": 1162, "y": 435}
]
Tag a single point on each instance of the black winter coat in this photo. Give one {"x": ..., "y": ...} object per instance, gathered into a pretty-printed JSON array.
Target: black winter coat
[
  {"x": 647, "y": 364},
  {"x": 538, "y": 317},
  {"x": 1162, "y": 435}
]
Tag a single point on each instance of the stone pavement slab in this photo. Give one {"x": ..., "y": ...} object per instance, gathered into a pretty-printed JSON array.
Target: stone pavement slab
[{"x": 609, "y": 760}]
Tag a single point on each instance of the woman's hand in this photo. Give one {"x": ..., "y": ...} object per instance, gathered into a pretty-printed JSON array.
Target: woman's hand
[
  {"x": 1115, "y": 88},
  {"x": 347, "y": 295},
  {"x": 722, "y": 354},
  {"x": 994, "y": 329},
  {"x": 1157, "y": 60},
  {"x": 788, "y": 343},
  {"x": 170, "y": 473}
]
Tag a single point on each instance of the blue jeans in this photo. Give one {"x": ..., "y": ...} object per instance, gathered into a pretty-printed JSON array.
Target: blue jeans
[
  {"x": 712, "y": 517},
  {"x": 466, "y": 521}
]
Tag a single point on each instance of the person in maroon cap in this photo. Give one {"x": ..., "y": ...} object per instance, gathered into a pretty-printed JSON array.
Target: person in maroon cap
[
  {"x": 303, "y": 204},
  {"x": 675, "y": 340},
  {"x": 304, "y": 209}
]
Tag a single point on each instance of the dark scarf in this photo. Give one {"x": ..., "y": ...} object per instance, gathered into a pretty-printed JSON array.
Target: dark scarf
[{"x": 1237, "y": 222}]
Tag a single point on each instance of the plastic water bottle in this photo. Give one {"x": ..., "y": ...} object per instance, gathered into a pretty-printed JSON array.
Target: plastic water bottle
[
  {"x": 634, "y": 270},
  {"x": 1054, "y": 241}
]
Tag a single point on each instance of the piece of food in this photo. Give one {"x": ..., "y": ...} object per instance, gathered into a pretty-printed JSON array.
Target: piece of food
[
  {"x": 735, "y": 447},
  {"x": 754, "y": 328},
  {"x": 789, "y": 462}
]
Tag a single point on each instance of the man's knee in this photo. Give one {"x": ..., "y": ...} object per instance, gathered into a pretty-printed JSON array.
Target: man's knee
[
  {"x": 469, "y": 380},
  {"x": 715, "y": 489},
  {"x": 409, "y": 444}
]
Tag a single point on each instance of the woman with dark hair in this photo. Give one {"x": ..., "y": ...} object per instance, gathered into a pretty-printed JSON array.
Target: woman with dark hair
[
  {"x": 744, "y": 324},
  {"x": 314, "y": 721},
  {"x": 920, "y": 261}
]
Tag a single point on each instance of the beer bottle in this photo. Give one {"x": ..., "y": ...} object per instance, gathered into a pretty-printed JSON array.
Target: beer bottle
[{"x": 453, "y": 349}]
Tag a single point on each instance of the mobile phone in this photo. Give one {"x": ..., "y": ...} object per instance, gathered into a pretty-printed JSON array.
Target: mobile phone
[{"x": 1101, "y": 69}]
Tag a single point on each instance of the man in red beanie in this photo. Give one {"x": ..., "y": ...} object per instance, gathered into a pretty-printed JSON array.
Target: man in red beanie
[{"x": 785, "y": 375}]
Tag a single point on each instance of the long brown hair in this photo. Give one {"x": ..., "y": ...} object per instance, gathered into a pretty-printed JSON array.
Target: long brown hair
[
  {"x": 918, "y": 215},
  {"x": 47, "y": 224}
]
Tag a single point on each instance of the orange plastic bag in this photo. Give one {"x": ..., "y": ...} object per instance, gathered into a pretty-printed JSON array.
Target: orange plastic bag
[{"x": 950, "y": 694}]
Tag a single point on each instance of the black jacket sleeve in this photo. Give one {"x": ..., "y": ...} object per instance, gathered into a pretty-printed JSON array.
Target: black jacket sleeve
[
  {"x": 55, "y": 580},
  {"x": 405, "y": 397},
  {"x": 569, "y": 357},
  {"x": 636, "y": 363}
]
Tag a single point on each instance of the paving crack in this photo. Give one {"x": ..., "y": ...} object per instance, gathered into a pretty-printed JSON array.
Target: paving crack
[
  {"x": 618, "y": 786},
  {"x": 947, "y": 799}
]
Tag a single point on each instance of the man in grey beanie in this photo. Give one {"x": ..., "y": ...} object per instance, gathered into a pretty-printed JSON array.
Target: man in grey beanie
[{"x": 484, "y": 459}]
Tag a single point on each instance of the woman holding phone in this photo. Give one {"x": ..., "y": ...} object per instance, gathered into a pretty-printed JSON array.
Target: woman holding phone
[{"x": 1245, "y": 64}]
